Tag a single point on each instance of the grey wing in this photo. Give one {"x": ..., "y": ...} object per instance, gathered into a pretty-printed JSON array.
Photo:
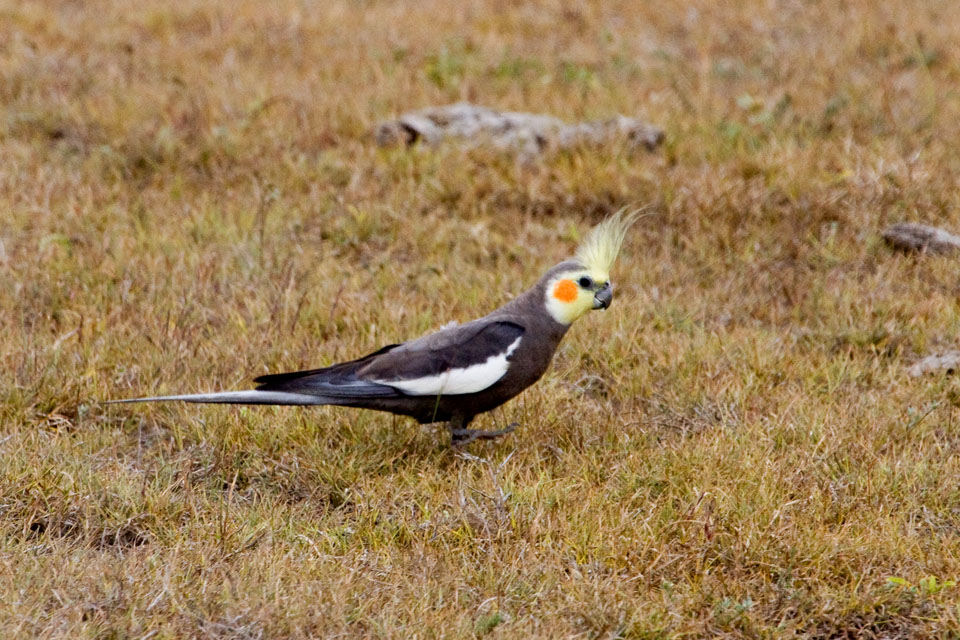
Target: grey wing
[
  {"x": 459, "y": 360},
  {"x": 338, "y": 382}
]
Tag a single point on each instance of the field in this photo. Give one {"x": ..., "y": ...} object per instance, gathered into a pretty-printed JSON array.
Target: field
[{"x": 190, "y": 196}]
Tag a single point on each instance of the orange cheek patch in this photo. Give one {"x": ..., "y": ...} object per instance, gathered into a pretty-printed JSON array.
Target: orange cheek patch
[{"x": 565, "y": 291}]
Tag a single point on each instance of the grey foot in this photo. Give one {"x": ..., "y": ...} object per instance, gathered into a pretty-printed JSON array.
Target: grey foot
[{"x": 463, "y": 437}]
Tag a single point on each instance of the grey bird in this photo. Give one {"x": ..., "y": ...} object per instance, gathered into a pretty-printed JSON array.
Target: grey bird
[{"x": 460, "y": 371}]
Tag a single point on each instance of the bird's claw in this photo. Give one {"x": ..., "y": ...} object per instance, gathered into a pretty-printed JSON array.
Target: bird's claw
[{"x": 463, "y": 437}]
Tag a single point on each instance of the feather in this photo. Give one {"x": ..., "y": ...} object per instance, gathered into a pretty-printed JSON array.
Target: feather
[
  {"x": 458, "y": 380},
  {"x": 600, "y": 248},
  {"x": 238, "y": 397}
]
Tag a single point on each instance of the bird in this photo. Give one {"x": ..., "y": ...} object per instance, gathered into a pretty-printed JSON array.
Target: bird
[{"x": 461, "y": 370}]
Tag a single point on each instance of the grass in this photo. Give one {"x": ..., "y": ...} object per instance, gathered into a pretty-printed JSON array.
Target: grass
[{"x": 190, "y": 197}]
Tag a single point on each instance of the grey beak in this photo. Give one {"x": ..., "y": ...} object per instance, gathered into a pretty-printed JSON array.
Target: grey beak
[{"x": 601, "y": 300}]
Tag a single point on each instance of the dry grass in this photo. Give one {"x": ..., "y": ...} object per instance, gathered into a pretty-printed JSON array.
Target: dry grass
[{"x": 189, "y": 198}]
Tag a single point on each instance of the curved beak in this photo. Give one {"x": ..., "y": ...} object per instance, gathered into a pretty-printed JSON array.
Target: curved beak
[{"x": 601, "y": 300}]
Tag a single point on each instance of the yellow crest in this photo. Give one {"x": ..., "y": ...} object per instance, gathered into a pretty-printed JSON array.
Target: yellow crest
[{"x": 600, "y": 248}]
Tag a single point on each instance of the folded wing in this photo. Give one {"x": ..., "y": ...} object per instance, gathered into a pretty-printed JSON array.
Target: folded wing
[{"x": 462, "y": 360}]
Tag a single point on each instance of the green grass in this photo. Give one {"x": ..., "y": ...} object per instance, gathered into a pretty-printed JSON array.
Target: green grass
[{"x": 190, "y": 197}]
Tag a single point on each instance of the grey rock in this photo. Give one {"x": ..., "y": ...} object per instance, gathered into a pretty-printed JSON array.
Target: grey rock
[
  {"x": 524, "y": 133},
  {"x": 947, "y": 362},
  {"x": 910, "y": 237}
]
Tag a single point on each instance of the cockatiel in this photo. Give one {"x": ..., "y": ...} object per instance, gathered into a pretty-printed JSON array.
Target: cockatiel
[{"x": 461, "y": 370}]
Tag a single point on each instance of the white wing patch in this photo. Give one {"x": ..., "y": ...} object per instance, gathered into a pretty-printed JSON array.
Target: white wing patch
[{"x": 458, "y": 381}]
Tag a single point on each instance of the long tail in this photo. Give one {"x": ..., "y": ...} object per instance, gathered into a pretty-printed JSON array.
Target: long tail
[
  {"x": 331, "y": 385},
  {"x": 240, "y": 397}
]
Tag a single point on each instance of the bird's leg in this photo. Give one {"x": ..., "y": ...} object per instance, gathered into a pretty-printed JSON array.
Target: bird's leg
[{"x": 461, "y": 436}]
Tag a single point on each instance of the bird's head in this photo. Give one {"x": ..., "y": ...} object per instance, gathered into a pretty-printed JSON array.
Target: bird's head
[{"x": 576, "y": 286}]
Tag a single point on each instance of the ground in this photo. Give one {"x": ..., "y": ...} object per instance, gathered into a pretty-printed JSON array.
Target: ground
[{"x": 190, "y": 197}]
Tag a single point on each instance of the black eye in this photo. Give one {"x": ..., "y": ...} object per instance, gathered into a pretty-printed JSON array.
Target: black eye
[{"x": 586, "y": 282}]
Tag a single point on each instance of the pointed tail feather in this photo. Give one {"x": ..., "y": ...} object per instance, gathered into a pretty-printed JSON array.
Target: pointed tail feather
[{"x": 239, "y": 397}]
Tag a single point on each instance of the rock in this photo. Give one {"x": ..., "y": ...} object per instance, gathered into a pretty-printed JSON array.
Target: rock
[
  {"x": 526, "y": 133},
  {"x": 910, "y": 237},
  {"x": 948, "y": 362}
]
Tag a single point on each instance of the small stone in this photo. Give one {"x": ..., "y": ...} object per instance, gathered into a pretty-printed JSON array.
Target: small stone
[
  {"x": 524, "y": 133},
  {"x": 947, "y": 362},
  {"x": 910, "y": 237}
]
